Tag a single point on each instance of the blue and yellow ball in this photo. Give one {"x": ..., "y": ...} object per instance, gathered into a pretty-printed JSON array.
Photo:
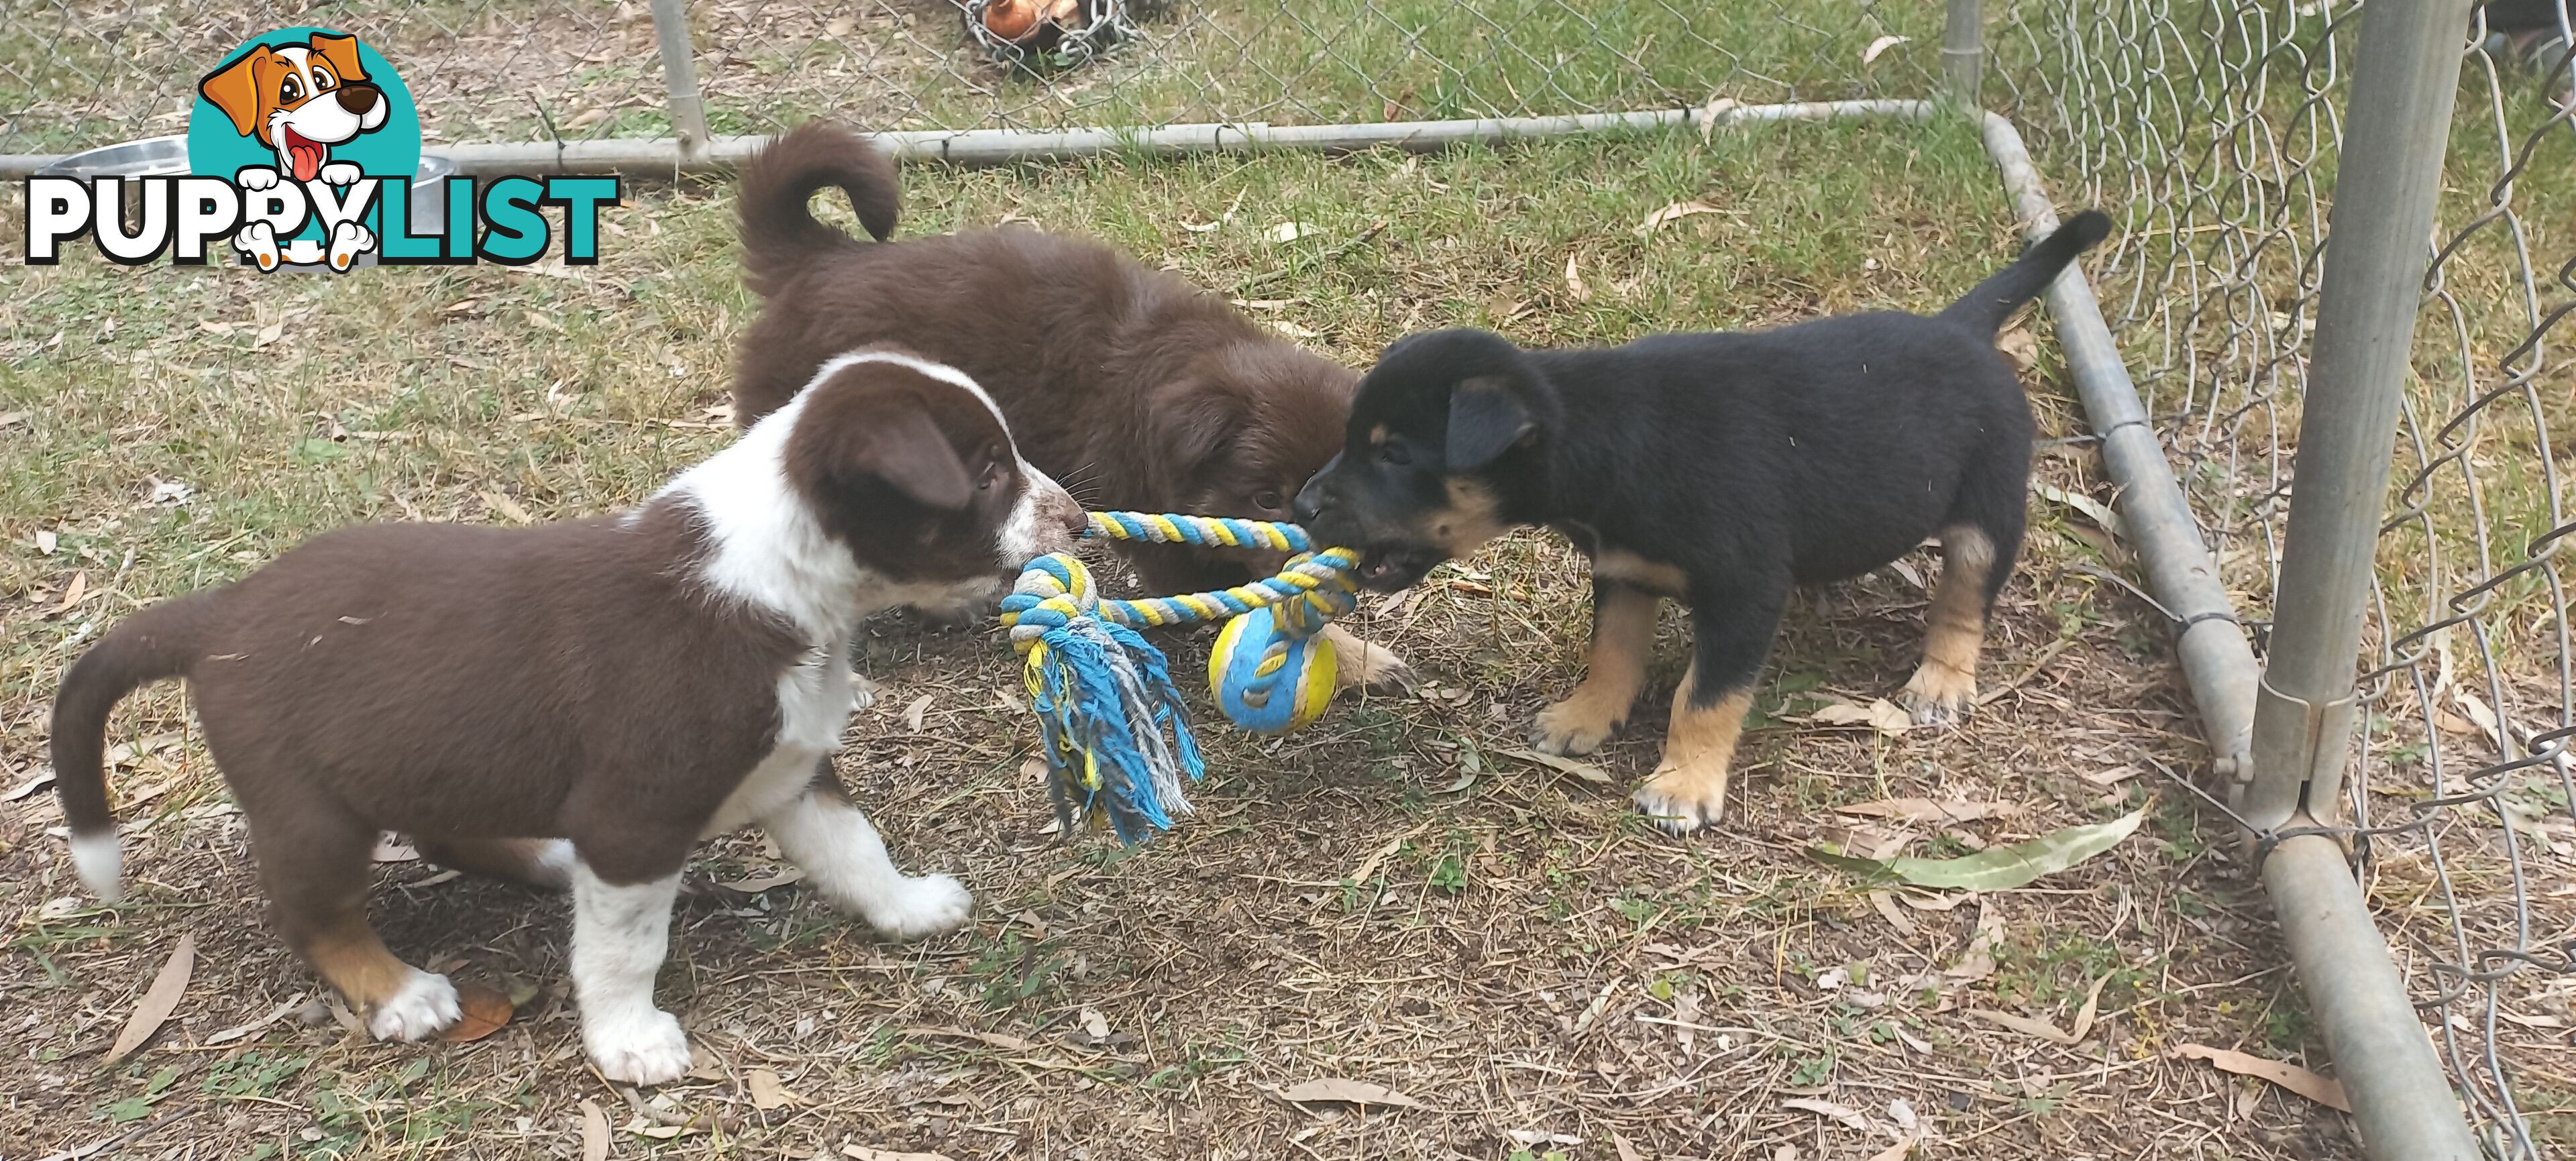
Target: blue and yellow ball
[{"x": 1266, "y": 681}]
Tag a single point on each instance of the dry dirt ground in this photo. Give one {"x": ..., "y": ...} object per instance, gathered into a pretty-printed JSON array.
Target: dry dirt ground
[{"x": 1389, "y": 897}]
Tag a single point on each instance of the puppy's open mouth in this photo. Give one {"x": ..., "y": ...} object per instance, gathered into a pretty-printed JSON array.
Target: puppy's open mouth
[
  {"x": 303, "y": 152},
  {"x": 1395, "y": 569}
]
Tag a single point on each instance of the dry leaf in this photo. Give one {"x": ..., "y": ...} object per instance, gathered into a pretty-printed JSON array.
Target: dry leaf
[
  {"x": 999, "y": 1040},
  {"x": 1627, "y": 1151},
  {"x": 863, "y": 1153},
  {"x": 389, "y": 851},
  {"x": 768, "y": 1092},
  {"x": 2099, "y": 512},
  {"x": 1583, "y": 770},
  {"x": 47, "y": 541},
  {"x": 1709, "y": 113},
  {"x": 2469, "y": 703},
  {"x": 1880, "y": 45},
  {"x": 912, "y": 713},
  {"x": 2084, "y": 1015},
  {"x": 755, "y": 884},
  {"x": 508, "y": 508},
  {"x": 161, "y": 999},
  {"x": 1674, "y": 213},
  {"x": 594, "y": 1132},
  {"x": 1888, "y": 910},
  {"x": 1368, "y": 866},
  {"x": 839, "y": 26},
  {"x": 1574, "y": 282},
  {"x": 2290, "y": 1076},
  {"x": 1925, "y": 810},
  {"x": 2020, "y": 346},
  {"x": 483, "y": 1012},
  {"x": 43, "y": 779},
  {"x": 274, "y": 1015},
  {"x": 268, "y": 334},
  {"x": 1290, "y": 231},
  {"x": 1094, "y": 1024},
  {"x": 12, "y": 419},
  {"x": 1881, "y": 715},
  {"x": 75, "y": 594},
  {"x": 1358, "y": 1092},
  {"x": 1897, "y": 1152},
  {"x": 1978, "y": 961},
  {"x": 1849, "y": 1117}
]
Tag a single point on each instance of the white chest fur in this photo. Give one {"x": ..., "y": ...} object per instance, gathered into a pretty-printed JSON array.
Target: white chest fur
[{"x": 814, "y": 704}]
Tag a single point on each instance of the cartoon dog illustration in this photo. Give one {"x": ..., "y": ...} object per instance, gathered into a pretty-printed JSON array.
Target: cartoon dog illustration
[{"x": 299, "y": 100}]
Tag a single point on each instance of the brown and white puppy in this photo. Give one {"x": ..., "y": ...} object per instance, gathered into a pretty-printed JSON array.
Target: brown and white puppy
[
  {"x": 1138, "y": 389},
  {"x": 580, "y": 703}
]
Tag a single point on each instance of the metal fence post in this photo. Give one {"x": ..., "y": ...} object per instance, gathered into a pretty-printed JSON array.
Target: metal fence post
[
  {"x": 2389, "y": 173},
  {"x": 680, "y": 77},
  {"x": 1963, "y": 54}
]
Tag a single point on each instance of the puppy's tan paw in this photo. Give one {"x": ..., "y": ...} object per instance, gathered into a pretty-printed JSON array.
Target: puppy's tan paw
[
  {"x": 1939, "y": 695},
  {"x": 1574, "y": 727},
  {"x": 1357, "y": 664},
  {"x": 1682, "y": 799}
]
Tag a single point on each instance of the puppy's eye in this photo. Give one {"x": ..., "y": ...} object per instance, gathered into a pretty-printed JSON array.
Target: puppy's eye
[
  {"x": 1393, "y": 453},
  {"x": 1266, "y": 501},
  {"x": 992, "y": 475},
  {"x": 289, "y": 89},
  {"x": 323, "y": 82}
]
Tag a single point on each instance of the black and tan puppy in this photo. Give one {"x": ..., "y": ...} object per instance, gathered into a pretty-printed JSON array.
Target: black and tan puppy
[{"x": 1719, "y": 470}]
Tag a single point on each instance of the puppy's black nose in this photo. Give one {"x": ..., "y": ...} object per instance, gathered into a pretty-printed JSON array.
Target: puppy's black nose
[
  {"x": 1310, "y": 501},
  {"x": 358, "y": 97}
]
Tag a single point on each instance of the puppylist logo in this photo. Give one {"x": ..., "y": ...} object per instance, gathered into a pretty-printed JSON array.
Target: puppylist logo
[{"x": 303, "y": 151}]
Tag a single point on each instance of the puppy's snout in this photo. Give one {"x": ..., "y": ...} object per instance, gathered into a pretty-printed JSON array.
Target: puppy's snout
[
  {"x": 358, "y": 98},
  {"x": 1310, "y": 501}
]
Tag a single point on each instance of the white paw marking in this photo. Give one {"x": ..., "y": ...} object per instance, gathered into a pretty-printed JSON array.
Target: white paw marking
[
  {"x": 340, "y": 173},
  {"x": 425, "y": 1004},
  {"x": 922, "y": 907},
  {"x": 348, "y": 240},
  {"x": 1567, "y": 729},
  {"x": 256, "y": 177},
  {"x": 1677, "y": 804},
  {"x": 259, "y": 241},
  {"x": 644, "y": 1046}
]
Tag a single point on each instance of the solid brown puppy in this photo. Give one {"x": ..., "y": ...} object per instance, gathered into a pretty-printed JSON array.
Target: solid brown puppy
[
  {"x": 1718, "y": 470},
  {"x": 1137, "y": 389},
  {"x": 580, "y": 703}
]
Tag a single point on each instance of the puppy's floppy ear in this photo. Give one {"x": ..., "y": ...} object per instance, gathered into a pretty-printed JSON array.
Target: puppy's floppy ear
[
  {"x": 909, "y": 452},
  {"x": 1485, "y": 420},
  {"x": 342, "y": 53},
  {"x": 234, "y": 88}
]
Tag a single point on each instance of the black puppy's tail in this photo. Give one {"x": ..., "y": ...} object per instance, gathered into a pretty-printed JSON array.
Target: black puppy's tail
[
  {"x": 779, "y": 234},
  {"x": 1985, "y": 308},
  {"x": 156, "y": 643}
]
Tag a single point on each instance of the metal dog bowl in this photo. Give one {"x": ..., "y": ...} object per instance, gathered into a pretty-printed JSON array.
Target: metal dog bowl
[{"x": 168, "y": 157}]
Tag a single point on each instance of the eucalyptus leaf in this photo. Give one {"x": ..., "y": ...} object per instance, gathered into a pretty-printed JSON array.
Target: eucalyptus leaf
[{"x": 1996, "y": 869}]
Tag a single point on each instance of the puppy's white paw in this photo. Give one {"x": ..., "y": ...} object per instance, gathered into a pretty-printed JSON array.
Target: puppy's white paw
[
  {"x": 259, "y": 241},
  {"x": 425, "y": 1004},
  {"x": 348, "y": 240},
  {"x": 1682, "y": 799},
  {"x": 644, "y": 1046},
  {"x": 340, "y": 173},
  {"x": 1939, "y": 695},
  {"x": 921, "y": 907},
  {"x": 255, "y": 177},
  {"x": 863, "y": 692},
  {"x": 1573, "y": 727}
]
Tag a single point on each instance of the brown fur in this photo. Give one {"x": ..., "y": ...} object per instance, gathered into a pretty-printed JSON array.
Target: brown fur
[{"x": 1135, "y": 388}]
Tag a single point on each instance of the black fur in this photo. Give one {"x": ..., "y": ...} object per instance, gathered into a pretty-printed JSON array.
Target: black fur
[{"x": 1746, "y": 462}]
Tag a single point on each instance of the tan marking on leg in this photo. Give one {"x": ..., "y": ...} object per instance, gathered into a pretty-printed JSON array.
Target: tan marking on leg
[
  {"x": 1944, "y": 687},
  {"x": 1622, "y": 565},
  {"x": 350, "y": 957},
  {"x": 1359, "y": 664},
  {"x": 1688, "y": 789},
  {"x": 544, "y": 863},
  {"x": 1623, "y": 631}
]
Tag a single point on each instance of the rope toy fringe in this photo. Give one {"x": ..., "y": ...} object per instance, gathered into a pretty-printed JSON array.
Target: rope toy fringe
[{"x": 1111, "y": 725}]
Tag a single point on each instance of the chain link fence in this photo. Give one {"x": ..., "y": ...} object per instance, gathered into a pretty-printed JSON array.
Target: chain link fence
[{"x": 2214, "y": 129}]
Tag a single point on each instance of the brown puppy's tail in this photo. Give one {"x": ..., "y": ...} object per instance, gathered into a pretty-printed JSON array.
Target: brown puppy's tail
[
  {"x": 1985, "y": 308},
  {"x": 779, "y": 233},
  {"x": 156, "y": 643}
]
